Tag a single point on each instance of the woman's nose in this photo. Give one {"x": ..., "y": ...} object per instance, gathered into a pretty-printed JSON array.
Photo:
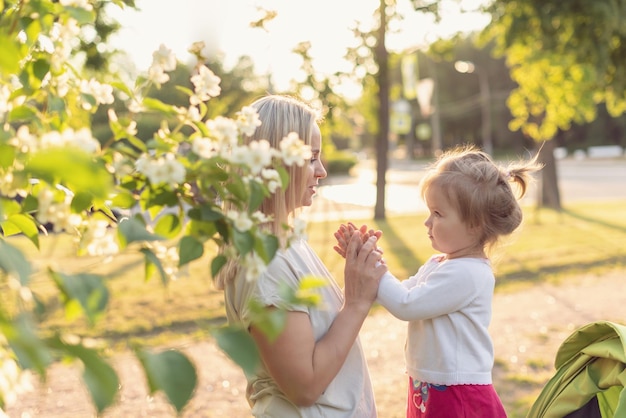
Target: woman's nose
[{"x": 320, "y": 171}]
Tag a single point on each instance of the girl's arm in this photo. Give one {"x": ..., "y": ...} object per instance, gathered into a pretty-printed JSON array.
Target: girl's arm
[
  {"x": 303, "y": 367},
  {"x": 446, "y": 290}
]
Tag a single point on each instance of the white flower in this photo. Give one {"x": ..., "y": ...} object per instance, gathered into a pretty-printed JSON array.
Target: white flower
[
  {"x": 58, "y": 213},
  {"x": 299, "y": 229},
  {"x": 255, "y": 266},
  {"x": 168, "y": 257},
  {"x": 81, "y": 139},
  {"x": 294, "y": 151},
  {"x": 62, "y": 83},
  {"x": 6, "y": 185},
  {"x": 121, "y": 165},
  {"x": 157, "y": 74},
  {"x": 13, "y": 380},
  {"x": 5, "y": 105},
  {"x": 188, "y": 114},
  {"x": 248, "y": 120},
  {"x": 260, "y": 217},
  {"x": 260, "y": 155},
  {"x": 164, "y": 169},
  {"x": 204, "y": 147},
  {"x": 241, "y": 220},
  {"x": 24, "y": 141},
  {"x": 99, "y": 240},
  {"x": 273, "y": 179},
  {"x": 223, "y": 129},
  {"x": 135, "y": 105},
  {"x": 101, "y": 92},
  {"x": 164, "y": 58},
  {"x": 206, "y": 85},
  {"x": 51, "y": 139}
]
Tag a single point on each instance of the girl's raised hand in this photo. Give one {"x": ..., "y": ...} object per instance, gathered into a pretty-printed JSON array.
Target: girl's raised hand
[{"x": 344, "y": 232}]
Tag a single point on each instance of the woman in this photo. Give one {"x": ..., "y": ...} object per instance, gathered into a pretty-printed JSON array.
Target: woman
[{"x": 315, "y": 367}]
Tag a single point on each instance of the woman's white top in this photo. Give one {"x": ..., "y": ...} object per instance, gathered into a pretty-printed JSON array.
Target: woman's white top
[
  {"x": 350, "y": 393},
  {"x": 448, "y": 306}
]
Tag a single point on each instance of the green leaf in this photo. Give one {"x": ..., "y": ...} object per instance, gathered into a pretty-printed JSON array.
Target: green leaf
[
  {"x": 11, "y": 54},
  {"x": 307, "y": 293},
  {"x": 124, "y": 199},
  {"x": 200, "y": 230},
  {"x": 284, "y": 177},
  {"x": 172, "y": 372},
  {"x": 189, "y": 249},
  {"x": 73, "y": 168},
  {"x": 168, "y": 225},
  {"x": 7, "y": 155},
  {"x": 244, "y": 241},
  {"x": 122, "y": 87},
  {"x": 41, "y": 67},
  {"x": 31, "y": 352},
  {"x": 82, "y": 15},
  {"x": 239, "y": 346},
  {"x": 205, "y": 213},
  {"x": 56, "y": 104},
  {"x": 24, "y": 224},
  {"x": 217, "y": 263},
  {"x": 81, "y": 202},
  {"x": 8, "y": 207},
  {"x": 153, "y": 262},
  {"x": 155, "y": 104},
  {"x": 257, "y": 195},
  {"x": 238, "y": 190},
  {"x": 22, "y": 113},
  {"x": 266, "y": 247},
  {"x": 100, "y": 378},
  {"x": 88, "y": 290},
  {"x": 133, "y": 230},
  {"x": 269, "y": 320},
  {"x": 12, "y": 261}
]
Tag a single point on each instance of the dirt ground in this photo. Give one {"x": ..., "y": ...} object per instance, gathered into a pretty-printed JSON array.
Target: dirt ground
[{"x": 528, "y": 327}]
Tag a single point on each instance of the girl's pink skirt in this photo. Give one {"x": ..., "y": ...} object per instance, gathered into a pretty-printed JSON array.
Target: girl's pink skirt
[{"x": 458, "y": 401}]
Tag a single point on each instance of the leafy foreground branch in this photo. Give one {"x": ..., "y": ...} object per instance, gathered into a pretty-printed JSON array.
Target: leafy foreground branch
[{"x": 160, "y": 197}]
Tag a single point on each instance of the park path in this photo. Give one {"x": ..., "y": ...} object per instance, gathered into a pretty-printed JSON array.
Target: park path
[{"x": 528, "y": 326}]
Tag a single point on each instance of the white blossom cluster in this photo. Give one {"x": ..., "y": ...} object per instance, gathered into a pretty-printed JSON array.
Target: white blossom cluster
[
  {"x": 168, "y": 256},
  {"x": 206, "y": 85},
  {"x": 163, "y": 61},
  {"x": 13, "y": 380},
  {"x": 101, "y": 92},
  {"x": 165, "y": 169},
  {"x": 98, "y": 239},
  {"x": 26, "y": 142}
]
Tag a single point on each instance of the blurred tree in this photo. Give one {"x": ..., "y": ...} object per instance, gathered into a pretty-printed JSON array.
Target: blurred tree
[{"x": 566, "y": 57}]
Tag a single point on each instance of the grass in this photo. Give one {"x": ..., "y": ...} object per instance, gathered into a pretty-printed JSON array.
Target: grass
[{"x": 551, "y": 246}]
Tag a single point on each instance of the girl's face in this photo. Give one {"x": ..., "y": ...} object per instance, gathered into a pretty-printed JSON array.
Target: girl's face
[
  {"x": 315, "y": 169},
  {"x": 447, "y": 232}
]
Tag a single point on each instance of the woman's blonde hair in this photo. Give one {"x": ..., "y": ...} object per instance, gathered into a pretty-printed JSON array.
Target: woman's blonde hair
[
  {"x": 481, "y": 190},
  {"x": 280, "y": 115}
]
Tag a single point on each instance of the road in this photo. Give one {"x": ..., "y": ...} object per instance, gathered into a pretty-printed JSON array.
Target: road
[{"x": 354, "y": 197}]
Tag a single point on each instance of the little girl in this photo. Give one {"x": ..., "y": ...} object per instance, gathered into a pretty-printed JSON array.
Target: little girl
[{"x": 447, "y": 303}]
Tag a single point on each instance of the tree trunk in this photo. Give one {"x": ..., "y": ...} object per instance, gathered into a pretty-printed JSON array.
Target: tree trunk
[
  {"x": 382, "y": 143},
  {"x": 549, "y": 196}
]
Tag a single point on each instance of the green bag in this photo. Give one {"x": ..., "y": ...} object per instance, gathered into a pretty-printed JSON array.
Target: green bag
[{"x": 590, "y": 375}]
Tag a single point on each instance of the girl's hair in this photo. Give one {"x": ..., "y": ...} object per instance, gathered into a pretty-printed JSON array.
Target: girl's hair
[
  {"x": 481, "y": 190},
  {"x": 279, "y": 115}
]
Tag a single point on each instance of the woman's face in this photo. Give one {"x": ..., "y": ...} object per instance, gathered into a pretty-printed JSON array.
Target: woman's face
[{"x": 315, "y": 169}]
